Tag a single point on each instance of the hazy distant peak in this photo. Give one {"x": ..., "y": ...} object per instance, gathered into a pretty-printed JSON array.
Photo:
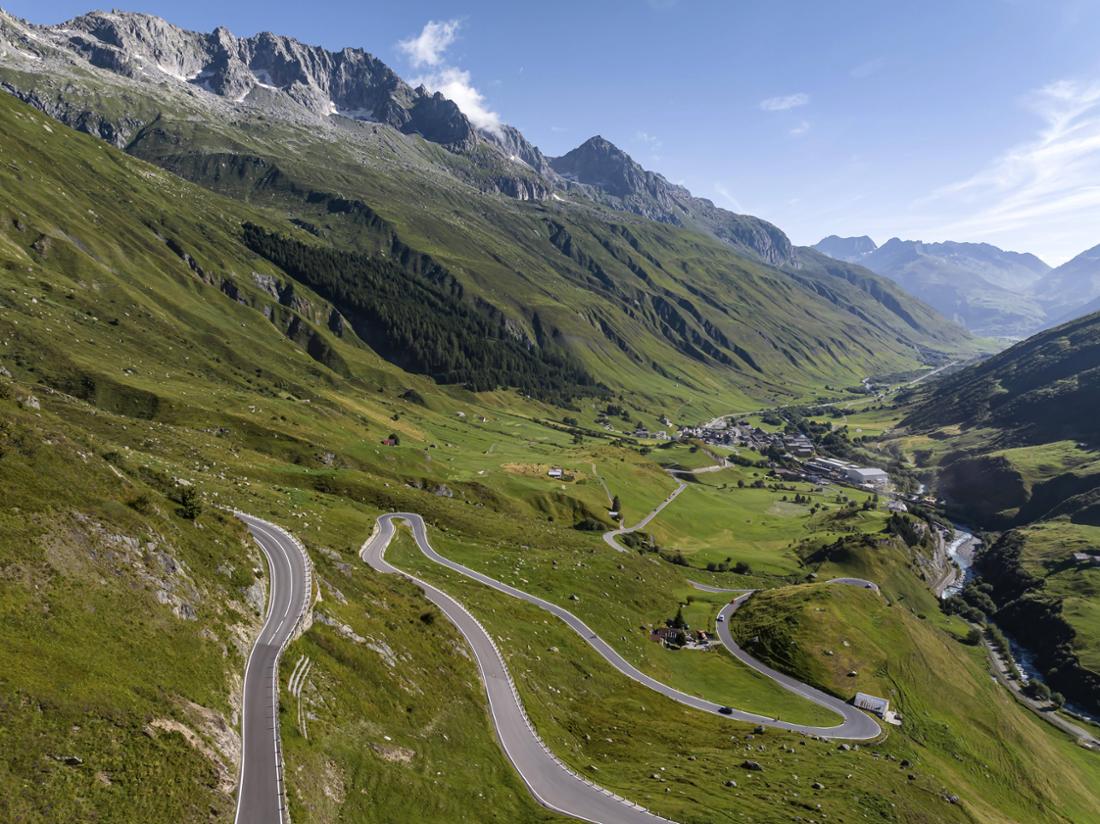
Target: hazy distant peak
[{"x": 850, "y": 249}]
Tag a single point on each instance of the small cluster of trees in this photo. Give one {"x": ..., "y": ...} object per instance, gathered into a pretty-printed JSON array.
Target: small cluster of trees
[
  {"x": 911, "y": 531},
  {"x": 613, "y": 410},
  {"x": 1041, "y": 692},
  {"x": 975, "y": 604},
  {"x": 741, "y": 568},
  {"x": 190, "y": 505}
]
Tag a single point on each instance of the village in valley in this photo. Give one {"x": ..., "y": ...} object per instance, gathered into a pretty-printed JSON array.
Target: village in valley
[{"x": 788, "y": 454}]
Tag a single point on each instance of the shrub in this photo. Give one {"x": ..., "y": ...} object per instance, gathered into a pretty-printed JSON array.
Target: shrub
[
  {"x": 142, "y": 503},
  {"x": 589, "y": 525},
  {"x": 1038, "y": 690},
  {"x": 190, "y": 506}
]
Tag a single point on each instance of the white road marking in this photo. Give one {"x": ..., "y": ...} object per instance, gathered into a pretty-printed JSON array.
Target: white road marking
[{"x": 276, "y": 539}]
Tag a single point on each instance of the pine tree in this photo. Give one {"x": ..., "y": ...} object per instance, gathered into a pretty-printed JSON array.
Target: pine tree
[{"x": 678, "y": 622}]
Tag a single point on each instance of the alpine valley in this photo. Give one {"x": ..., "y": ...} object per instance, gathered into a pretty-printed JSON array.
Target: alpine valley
[{"x": 360, "y": 464}]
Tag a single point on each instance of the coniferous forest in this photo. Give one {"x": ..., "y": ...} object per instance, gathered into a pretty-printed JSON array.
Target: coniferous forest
[{"x": 425, "y": 326}]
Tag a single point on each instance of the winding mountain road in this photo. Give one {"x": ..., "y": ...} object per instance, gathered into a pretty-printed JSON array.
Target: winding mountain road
[
  {"x": 610, "y": 536},
  {"x": 855, "y": 725},
  {"x": 550, "y": 781},
  {"x": 261, "y": 795}
]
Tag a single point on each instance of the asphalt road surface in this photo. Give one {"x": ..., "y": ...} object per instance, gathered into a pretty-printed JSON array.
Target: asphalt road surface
[
  {"x": 261, "y": 796},
  {"x": 552, "y": 783},
  {"x": 855, "y": 582},
  {"x": 855, "y": 725},
  {"x": 610, "y": 535}
]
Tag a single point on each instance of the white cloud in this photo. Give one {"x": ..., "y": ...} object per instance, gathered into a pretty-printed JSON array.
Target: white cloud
[
  {"x": 800, "y": 129},
  {"x": 728, "y": 197},
  {"x": 782, "y": 104},
  {"x": 428, "y": 47},
  {"x": 647, "y": 139},
  {"x": 1043, "y": 194},
  {"x": 454, "y": 84}
]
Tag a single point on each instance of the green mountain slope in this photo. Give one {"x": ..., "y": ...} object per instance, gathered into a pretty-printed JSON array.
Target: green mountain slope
[
  {"x": 1038, "y": 391},
  {"x": 953, "y": 714},
  {"x": 661, "y": 309},
  {"x": 145, "y": 344},
  {"x": 130, "y": 370},
  {"x": 1015, "y": 444}
]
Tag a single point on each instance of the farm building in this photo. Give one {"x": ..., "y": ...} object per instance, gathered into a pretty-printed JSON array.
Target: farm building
[{"x": 871, "y": 703}]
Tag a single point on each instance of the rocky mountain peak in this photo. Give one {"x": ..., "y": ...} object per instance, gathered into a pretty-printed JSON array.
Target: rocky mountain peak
[
  {"x": 267, "y": 70},
  {"x": 599, "y": 162},
  {"x": 615, "y": 177},
  {"x": 287, "y": 79}
]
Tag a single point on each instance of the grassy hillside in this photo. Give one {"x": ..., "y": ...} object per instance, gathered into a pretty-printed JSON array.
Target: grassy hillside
[
  {"x": 1013, "y": 445},
  {"x": 147, "y": 350},
  {"x": 956, "y": 720},
  {"x": 1038, "y": 391},
  {"x": 124, "y": 634},
  {"x": 663, "y": 313}
]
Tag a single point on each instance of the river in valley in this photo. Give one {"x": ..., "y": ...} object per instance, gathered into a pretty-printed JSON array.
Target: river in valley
[{"x": 961, "y": 550}]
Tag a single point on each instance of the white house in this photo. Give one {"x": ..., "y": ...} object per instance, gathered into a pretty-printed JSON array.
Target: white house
[
  {"x": 555, "y": 472},
  {"x": 879, "y": 706}
]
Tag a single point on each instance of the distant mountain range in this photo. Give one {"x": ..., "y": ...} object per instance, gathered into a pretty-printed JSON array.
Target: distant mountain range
[
  {"x": 988, "y": 290},
  {"x": 585, "y": 269}
]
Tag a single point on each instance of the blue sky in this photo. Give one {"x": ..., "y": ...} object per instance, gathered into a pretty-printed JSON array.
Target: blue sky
[{"x": 973, "y": 120}]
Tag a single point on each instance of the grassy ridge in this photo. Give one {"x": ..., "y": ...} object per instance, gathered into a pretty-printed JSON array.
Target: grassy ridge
[
  {"x": 957, "y": 722},
  {"x": 1012, "y": 442}
]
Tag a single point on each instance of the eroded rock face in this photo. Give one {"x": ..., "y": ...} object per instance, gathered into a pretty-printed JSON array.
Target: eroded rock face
[
  {"x": 266, "y": 68},
  {"x": 285, "y": 78}
]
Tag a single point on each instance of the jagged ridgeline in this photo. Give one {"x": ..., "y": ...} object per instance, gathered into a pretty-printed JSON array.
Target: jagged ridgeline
[{"x": 423, "y": 324}]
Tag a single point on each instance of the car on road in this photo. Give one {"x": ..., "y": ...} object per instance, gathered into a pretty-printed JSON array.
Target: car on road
[
  {"x": 725, "y": 710},
  {"x": 721, "y": 618}
]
